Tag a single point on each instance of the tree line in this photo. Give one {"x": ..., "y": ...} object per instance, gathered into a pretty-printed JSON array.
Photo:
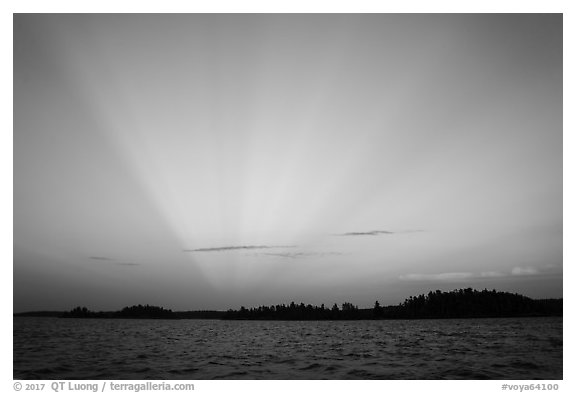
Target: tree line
[
  {"x": 138, "y": 312},
  {"x": 459, "y": 303}
]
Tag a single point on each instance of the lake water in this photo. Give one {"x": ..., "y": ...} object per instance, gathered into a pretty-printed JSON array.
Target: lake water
[{"x": 523, "y": 348}]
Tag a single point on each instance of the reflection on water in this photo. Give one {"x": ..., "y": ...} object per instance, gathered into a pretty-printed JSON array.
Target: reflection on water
[{"x": 523, "y": 348}]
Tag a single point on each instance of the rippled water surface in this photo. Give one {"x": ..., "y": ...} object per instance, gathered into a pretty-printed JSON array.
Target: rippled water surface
[{"x": 52, "y": 348}]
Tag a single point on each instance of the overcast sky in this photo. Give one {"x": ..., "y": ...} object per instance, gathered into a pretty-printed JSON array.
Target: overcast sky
[{"x": 213, "y": 161}]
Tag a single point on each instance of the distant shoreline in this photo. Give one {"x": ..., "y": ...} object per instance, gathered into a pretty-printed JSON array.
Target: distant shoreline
[
  {"x": 457, "y": 304},
  {"x": 40, "y": 314}
]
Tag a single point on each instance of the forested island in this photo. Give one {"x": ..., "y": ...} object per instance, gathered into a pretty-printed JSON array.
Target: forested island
[
  {"x": 143, "y": 312},
  {"x": 460, "y": 303}
]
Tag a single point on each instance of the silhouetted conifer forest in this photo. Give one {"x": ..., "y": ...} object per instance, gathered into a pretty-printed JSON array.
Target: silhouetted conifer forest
[{"x": 460, "y": 303}]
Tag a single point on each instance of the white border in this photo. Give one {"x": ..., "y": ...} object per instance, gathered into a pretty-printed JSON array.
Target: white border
[{"x": 300, "y": 6}]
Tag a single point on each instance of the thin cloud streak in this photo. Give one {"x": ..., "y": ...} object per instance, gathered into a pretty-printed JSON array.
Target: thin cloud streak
[
  {"x": 235, "y": 248},
  {"x": 378, "y": 232},
  {"x": 524, "y": 271},
  {"x": 369, "y": 233},
  {"x": 112, "y": 260},
  {"x": 468, "y": 276},
  {"x": 295, "y": 255},
  {"x": 452, "y": 276}
]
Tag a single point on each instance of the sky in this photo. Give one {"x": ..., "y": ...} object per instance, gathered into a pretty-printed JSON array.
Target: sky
[{"x": 211, "y": 161}]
